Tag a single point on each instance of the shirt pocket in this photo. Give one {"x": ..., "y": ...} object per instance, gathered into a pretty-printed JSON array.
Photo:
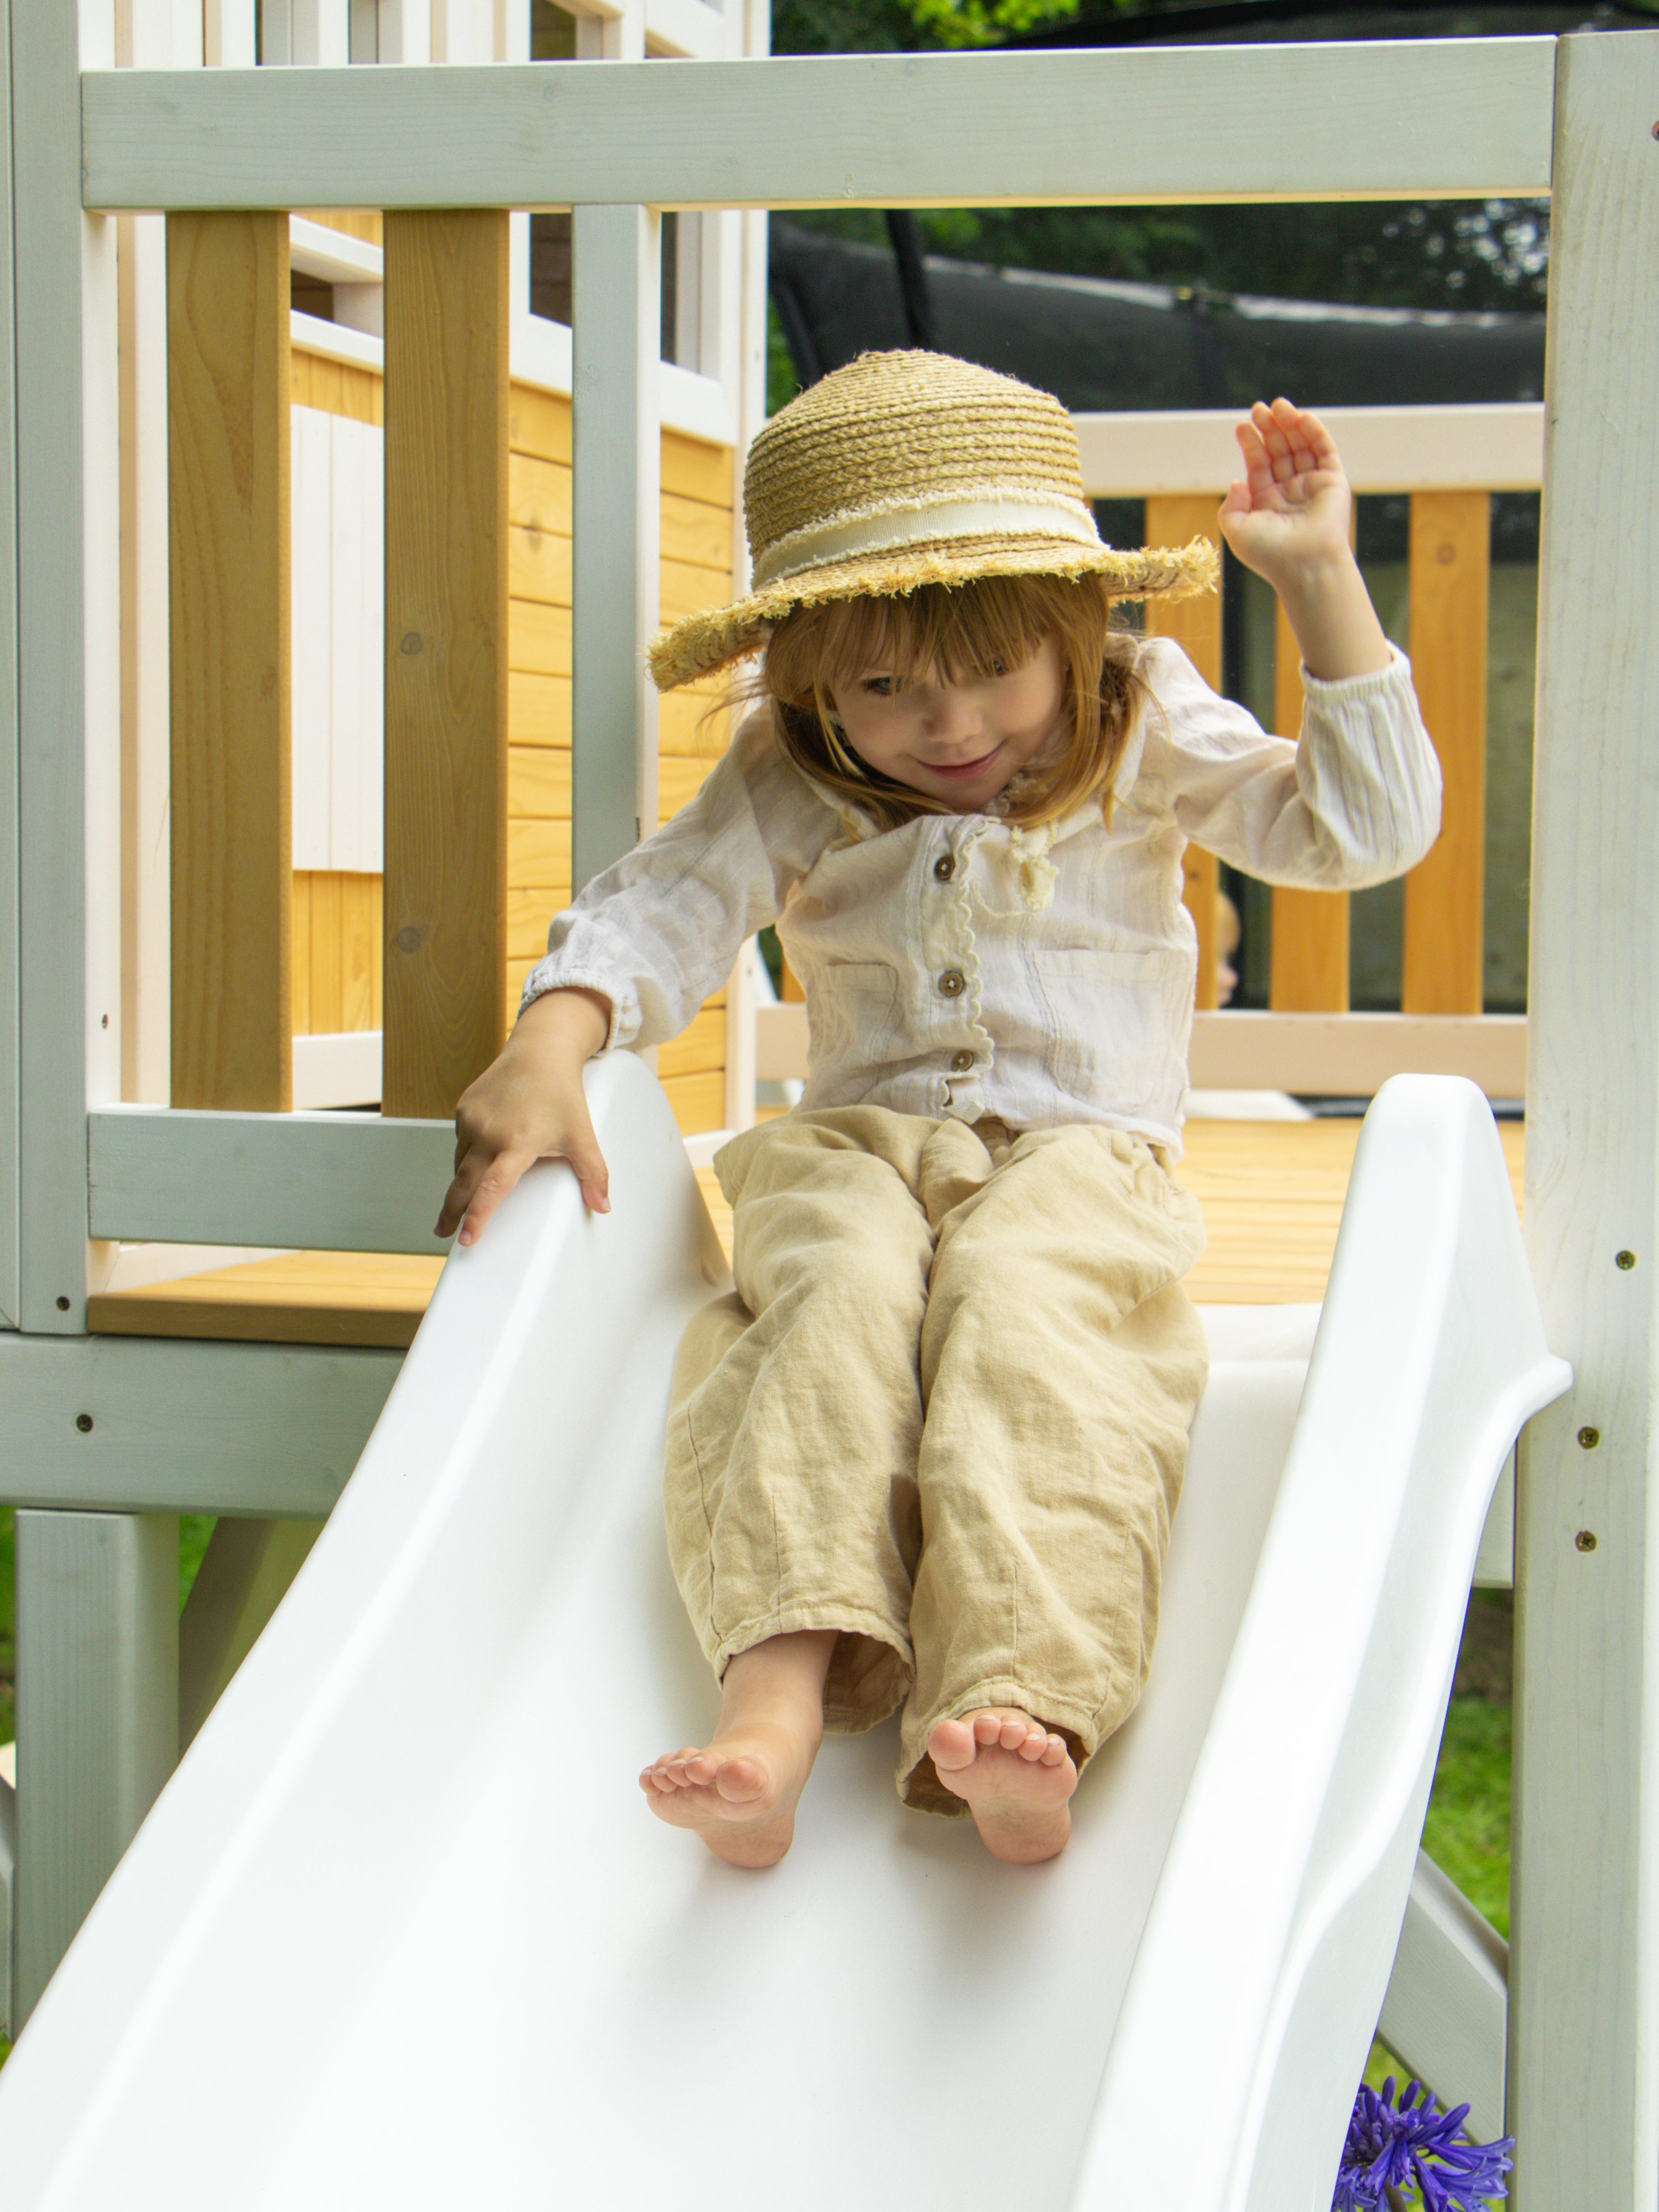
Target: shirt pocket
[
  {"x": 852, "y": 1013},
  {"x": 1116, "y": 1022}
]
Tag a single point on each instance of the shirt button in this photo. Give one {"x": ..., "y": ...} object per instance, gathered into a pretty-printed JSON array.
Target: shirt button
[
  {"x": 952, "y": 983},
  {"x": 961, "y": 1062},
  {"x": 945, "y": 867}
]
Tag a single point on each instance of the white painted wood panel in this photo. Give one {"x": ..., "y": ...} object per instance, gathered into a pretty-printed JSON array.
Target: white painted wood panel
[
  {"x": 321, "y": 33},
  {"x": 179, "y": 1427},
  {"x": 342, "y": 1183},
  {"x": 615, "y": 514},
  {"x": 1443, "y": 119},
  {"x": 337, "y": 534},
  {"x": 310, "y": 541},
  {"x": 230, "y": 33},
  {"x": 97, "y": 1713},
  {"x": 1445, "y": 2017},
  {"x": 68, "y": 616},
  {"x": 1584, "y": 2090},
  {"x": 1499, "y": 448},
  {"x": 10, "y": 916},
  {"x": 405, "y": 35}
]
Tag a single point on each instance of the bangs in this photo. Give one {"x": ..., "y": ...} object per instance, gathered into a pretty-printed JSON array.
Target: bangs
[{"x": 966, "y": 631}]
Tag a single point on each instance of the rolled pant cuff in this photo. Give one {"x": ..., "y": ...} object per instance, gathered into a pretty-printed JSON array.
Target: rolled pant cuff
[
  {"x": 918, "y": 1785},
  {"x": 862, "y": 1688}
]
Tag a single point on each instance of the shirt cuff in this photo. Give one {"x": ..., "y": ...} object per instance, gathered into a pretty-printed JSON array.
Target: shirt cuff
[{"x": 547, "y": 976}]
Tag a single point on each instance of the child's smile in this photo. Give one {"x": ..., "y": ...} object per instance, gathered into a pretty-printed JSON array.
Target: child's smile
[{"x": 961, "y": 742}]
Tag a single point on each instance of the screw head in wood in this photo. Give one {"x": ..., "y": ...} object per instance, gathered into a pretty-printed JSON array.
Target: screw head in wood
[
  {"x": 83, "y": 1422},
  {"x": 1624, "y": 1260},
  {"x": 410, "y": 642},
  {"x": 1585, "y": 1539},
  {"x": 63, "y": 1305},
  {"x": 408, "y": 940},
  {"x": 1589, "y": 1438}
]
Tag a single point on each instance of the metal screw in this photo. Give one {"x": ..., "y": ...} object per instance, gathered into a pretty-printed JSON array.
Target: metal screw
[
  {"x": 83, "y": 1422},
  {"x": 1585, "y": 1539},
  {"x": 1589, "y": 1438},
  {"x": 63, "y": 1305},
  {"x": 1624, "y": 1260},
  {"x": 408, "y": 940},
  {"x": 411, "y": 641}
]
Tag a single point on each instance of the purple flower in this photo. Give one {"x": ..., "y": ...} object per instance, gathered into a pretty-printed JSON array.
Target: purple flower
[{"x": 1416, "y": 2147}]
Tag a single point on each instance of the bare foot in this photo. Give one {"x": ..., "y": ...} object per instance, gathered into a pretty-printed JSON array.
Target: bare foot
[
  {"x": 739, "y": 1791},
  {"x": 1016, "y": 1777}
]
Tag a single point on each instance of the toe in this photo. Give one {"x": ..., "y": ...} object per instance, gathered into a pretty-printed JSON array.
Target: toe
[{"x": 952, "y": 1744}]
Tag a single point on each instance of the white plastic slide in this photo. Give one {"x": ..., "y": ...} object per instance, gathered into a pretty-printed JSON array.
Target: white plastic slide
[{"x": 402, "y": 1932}]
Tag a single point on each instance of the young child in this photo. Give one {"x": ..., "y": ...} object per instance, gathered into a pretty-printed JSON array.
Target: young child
[{"x": 925, "y": 1456}]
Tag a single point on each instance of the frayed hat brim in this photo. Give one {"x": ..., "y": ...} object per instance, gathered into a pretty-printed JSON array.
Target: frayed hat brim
[{"x": 703, "y": 644}]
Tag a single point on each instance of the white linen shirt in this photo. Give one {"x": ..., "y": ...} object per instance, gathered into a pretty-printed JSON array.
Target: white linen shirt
[{"x": 958, "y": 966}]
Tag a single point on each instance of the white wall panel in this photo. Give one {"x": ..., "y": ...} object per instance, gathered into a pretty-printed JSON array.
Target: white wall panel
[{"x": 338, "y": 534}]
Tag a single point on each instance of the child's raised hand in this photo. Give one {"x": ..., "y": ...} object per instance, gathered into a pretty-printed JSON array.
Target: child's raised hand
[
  {"x": 1288, "y": 520},
  {"x": 1294, "y": 504},
  {"x": 529, "y": 1105}
]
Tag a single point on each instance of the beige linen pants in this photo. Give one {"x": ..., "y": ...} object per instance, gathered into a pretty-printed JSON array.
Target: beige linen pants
[{"x": 946, "y": 1412}]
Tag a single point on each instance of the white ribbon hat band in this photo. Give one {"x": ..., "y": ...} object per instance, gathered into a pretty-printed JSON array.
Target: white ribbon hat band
[{"x": 819, "y": 546}]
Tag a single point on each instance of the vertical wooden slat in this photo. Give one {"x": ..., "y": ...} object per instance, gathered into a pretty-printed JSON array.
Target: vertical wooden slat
[
  {"x": 616, "y": 512},
  {"x": 1308, "y": 972},
  {"x": 1584, "y": 1914},
  {"x": 1195, "y": 624},
  {"x": 1450, "y": 568},
  {"x": 228, "y": 454},
  {"x": 446, "y": 629}
]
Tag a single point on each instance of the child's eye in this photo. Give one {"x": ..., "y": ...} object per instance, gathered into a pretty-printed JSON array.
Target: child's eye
[{"x": 880, "y": 687}]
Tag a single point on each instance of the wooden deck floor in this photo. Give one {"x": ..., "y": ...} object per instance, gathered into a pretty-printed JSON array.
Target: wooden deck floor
[{"x": 1272, "y": 1192}]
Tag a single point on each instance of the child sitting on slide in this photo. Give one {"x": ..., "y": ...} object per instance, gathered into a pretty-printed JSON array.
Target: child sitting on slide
[{"x": 924, "y": 1459}]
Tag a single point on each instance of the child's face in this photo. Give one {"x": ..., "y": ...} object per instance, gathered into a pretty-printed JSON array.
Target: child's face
[{"x": 960, "y": 743}]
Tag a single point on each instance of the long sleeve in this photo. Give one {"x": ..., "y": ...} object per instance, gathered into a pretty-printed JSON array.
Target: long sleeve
[
  {"x": 1356, "y": 801},
  {"x": 659, "y": 931}
]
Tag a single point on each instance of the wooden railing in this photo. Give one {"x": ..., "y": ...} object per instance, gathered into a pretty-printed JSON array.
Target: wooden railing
[{"x": 1309, "y": 1041}]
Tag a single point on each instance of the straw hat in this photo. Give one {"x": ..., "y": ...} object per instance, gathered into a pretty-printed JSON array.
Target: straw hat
[{"x": 912, "y": 468}]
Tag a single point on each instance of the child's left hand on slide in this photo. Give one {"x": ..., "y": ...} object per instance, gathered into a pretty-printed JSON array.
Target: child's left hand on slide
[{"x": 529, "y": 1105}]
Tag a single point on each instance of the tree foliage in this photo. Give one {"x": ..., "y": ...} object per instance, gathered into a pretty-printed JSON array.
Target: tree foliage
[{"x": 1480, "y": 255}]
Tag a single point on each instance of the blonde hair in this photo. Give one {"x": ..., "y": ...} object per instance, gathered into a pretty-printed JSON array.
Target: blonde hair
[{"x": 965, "y": 631}]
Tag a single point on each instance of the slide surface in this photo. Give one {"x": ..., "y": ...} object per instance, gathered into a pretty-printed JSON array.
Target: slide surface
[{"x": 402, "y": 1932}]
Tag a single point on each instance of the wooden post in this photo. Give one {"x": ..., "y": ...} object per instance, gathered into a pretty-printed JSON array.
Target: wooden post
[
  {"x": 446, "y": 633},
  {"x": 1584, "y": 1921},
  {"x": 227, "y": 463},
  {"x": 617, "y": 509},
  {"x": 97, "y": 1713},
  {"x": 1307, "y": 971},
  {"x": 1451, "y": 569},
  {"x": 1195, "y": 624}
]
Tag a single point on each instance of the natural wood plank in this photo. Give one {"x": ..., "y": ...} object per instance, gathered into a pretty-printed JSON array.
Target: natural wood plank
[
  {"x": 678, "y": 781},
  {"x": 698, "y": 1050},
  {"x": 539, "y": 852},
  {"x": 539, "y": 422},
  {"x": 446, "y": 704},
  {"x": 1308, "y": 967},
  {"x": 1195, "y": 625},
  {"x": 538, "y": 637},
  {"x": 228, "y": 443},
  {"x": 539, "y": 709},
  {"x": 356, "y": 222},
  {"x": 360, "y": 940},
  {"x": 696, "y": 470},
  {"x": 688, "y": 588},
  {"x": 696, "y": 532},
  {"x": 698, "y": 1101},
  {"x": 304, "y": 1297},
  {"x": 539, "y": 783},
  {"x": 327, "y": 965},
  {"x": 1450, "y": 546}
]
